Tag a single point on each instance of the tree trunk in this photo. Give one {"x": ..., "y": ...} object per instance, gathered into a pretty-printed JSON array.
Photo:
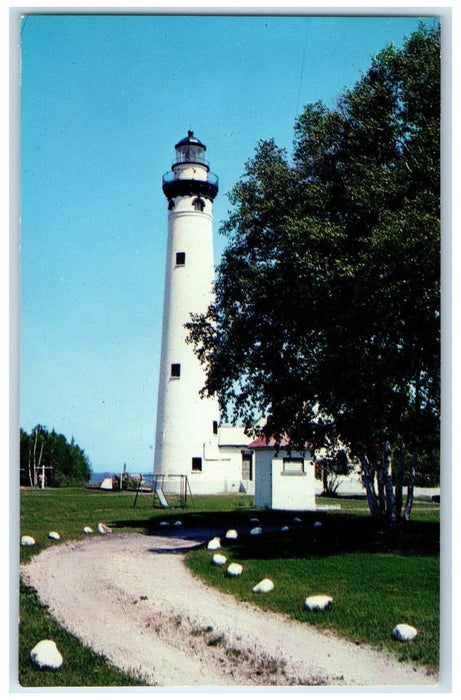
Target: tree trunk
[
  {"x": 34, "y": 454},
  {"x": 35, "y": 463},
  {"x": 325, "y": 479},
  {"x": 29, "y": 467},
  {"x": 368, "y": 483},
  {"x": 399, "y": 482},
  {"x": 410, "y": 490},
  {"x": 381, "y": 490},
  {"x": 39, "y": 464},
  {"x": 391, "y": 512}
]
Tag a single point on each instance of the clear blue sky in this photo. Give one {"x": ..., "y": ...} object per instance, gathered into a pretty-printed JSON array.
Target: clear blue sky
[{"x": 103, "y": 101}]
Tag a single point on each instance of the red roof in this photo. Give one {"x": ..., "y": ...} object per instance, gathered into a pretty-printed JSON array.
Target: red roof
[{"x": 262, "y": 442}]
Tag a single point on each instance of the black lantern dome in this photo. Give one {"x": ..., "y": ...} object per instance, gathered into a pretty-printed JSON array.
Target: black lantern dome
[{"x": 190, "y": 150}]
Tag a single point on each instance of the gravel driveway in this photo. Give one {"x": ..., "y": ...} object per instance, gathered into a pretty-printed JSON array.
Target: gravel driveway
[{"x": 132, "y": 599}]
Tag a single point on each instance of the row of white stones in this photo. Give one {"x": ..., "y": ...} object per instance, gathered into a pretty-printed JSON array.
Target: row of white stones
[
  {"x": 29, "y": 541},
  {"x": 402, "y": 632}
]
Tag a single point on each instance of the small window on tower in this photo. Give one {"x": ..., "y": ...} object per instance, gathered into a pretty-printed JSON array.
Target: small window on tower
[
  {"x": 215, "y": 427},
  {"x": 199, "y": 204},
  {"x": 196, "y": 464},
  {"x": 180, "y": 258},
  {"x": 175, "y": 370}
]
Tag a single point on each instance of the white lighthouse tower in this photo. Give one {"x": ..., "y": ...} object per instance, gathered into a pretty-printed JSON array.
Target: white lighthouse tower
[{"x": 187, "y": 425}]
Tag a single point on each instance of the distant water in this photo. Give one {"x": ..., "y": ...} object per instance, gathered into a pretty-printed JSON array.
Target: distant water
[{"x": 97, "y": 477}]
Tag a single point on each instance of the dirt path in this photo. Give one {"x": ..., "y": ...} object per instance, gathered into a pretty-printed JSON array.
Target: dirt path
[{"x": 132, "y": 599}]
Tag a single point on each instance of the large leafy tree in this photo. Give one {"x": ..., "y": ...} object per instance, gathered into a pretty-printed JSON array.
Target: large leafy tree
[{"x": 326, "y": 316}]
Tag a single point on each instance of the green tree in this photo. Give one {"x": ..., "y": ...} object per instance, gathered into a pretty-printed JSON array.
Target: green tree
[
  {"x": 327, "y": 295},
  {"x": 69, "y": 464}
]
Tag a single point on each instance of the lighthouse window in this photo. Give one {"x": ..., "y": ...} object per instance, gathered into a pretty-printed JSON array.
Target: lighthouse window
[
  {"x": 180, "y": 258},
  {"x": 196, "y": 464},
  {"x": 199, "y": 204},
  {"x": 175, "y": 370},
  {"x": 215, "y": 427}
]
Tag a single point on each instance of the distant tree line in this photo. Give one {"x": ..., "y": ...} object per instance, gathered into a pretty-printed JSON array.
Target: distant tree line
[{"x": 49, "y": 457}]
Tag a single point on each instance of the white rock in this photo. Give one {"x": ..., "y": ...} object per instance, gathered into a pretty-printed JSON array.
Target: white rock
[
  {"x": 264, "y": 586},
  {"x": 54, "y": 535},
  {"x": 215, "y": 543},
  {"x": 27, "y": 541},
  {"x": 219, "y": 559},
  {"x": 318, "y": 602},
  {"x": 87, "y": 530},
  {"x": 163, "y": 524},
  {"x": 234, "y": 569},
  {"x": 285, "y": 528},
  {"x": 297, "y": 520},
  {"x": 256, "y": 531},
  {"x": 104, "y": 529},
  {"x": 231, "y": 535},
  {"x": 318, "y": 524},
  {"x": 46, "y": 655},
  {"x": 254, "y": 520},
  {"x": 178, "y": 523},
  {"x": 404, "y": 633}
]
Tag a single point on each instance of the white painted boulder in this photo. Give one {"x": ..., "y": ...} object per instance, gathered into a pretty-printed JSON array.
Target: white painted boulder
[
  {"x": 256, "y": 531},
  {"x": 163, "y": 523},
  {"x": 404, "y": 633},
  {"x": 88, "y": 530},
  {"x": 254, "y": 520},
  {"x": 45, "y": 654},
  {"x": 318, "y": 602},
  {"x": 264, "y": 586},
  {"x": 27, "y": 541},
  {"x": 178, "y": 523},
  {"x": 213, "y": 544},
  {"x": 318, "y": 524},
  {"x": 219, "y": 559},
  {"x": 297, "y": 520},
  {"x": 234, "y": 569},
  {"x": 285, "y": 528},
  {"x": 54, "y": 535},
  {"x": 231, "y": 535},
  {"x": 104, "y": 529}
]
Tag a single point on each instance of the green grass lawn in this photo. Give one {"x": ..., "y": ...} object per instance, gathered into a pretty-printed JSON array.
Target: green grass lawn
[
  {"x": 377, "y": 579},
  {"x": 69, "y": 510}
]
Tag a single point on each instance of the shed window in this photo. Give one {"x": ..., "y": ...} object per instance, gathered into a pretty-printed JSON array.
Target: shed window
[
  {"x": 293, "y": 465},
  {"x": 175, "y": 370},
  {"x": 196, "y": 464}
]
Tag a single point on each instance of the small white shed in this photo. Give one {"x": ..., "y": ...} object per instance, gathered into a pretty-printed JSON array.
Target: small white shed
[{"x": 283, "y": 480}]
